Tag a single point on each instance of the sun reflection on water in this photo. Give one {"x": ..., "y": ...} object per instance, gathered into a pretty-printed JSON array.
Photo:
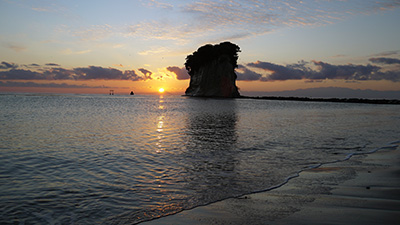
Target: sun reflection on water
[
  {"x": 160, "y": 123},
  {"x": 161, "y": 102},
  {"x": 160, "y": 126}
]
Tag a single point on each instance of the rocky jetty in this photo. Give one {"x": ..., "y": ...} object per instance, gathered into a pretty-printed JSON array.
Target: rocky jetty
[
  {"x": 212, "y": 71},
  {"x": 344, "y": 100}
]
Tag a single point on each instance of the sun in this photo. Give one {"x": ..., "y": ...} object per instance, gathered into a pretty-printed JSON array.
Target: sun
[{"x": 161, "y": 90}]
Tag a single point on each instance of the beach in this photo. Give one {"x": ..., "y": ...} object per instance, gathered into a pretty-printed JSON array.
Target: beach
[{"x": 362, "y": 190}]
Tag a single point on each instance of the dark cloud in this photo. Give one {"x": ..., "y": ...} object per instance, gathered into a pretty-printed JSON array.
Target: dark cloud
[
  {"x": 52, "y": 64},
  {"x": 133, "y": 75},
  {"x": 181, "y": 73},
  {"x": 146, "y": 73},
  {"x": 80, "y": 73},
  {"x": 346, "y": 72},
  {"x": 384, "y": 60},
  {"x": 96, "y": 72},
  {"x": 20, "y": 74},
  {"x": 245, "y": 74},
  {"x": 388, "y": 53},
  {"x": 33, "y": 65},
  {"x": 48, "y": 85},
  {"x": 59, "y": 74},
  {"x": 278, "y": 72},
  {"x": 322, "y": 71},
  {"x": 387, "y": 75},
  {"x": 6, "y": 65}
]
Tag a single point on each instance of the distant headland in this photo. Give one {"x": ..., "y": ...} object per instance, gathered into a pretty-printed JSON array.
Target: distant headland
[{"x": 345, "y": 100}]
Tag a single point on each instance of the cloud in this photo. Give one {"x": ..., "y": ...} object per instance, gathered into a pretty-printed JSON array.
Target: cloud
[
  {"x": 6, "y": 65},
  {"x": 346, "y": 72},
  {"x": 59, "y": 74},
  {"x": 40, "y": 9},
  {"x": 20, "y": 74},
  {"x": 245, "y": 74},
  {"x": 165, "y": 30},
  {"x": 15, "y": 47},
  {"x": 383, "y": 60},
  {"x": 95, "y": 32},
  {"x": 159, "y": 4},
  {"x": 133, "y": 75},
  {"x": 220, "y": 19},
  {"x": 339, "y": 56},
  {"x": 101, "y": 73},
  {"x": 47, "y": 85},
  {"x": 231, "y": 37},
  {"x": 48, "y": 8},
  {"x": 70, "y": 52},
  {"x": 205, "y": 18},
  {"x": 221, "y": 13},
  {"x": 37, "y": 66},
  {"x": 278, "y": 72},
  {"x": 318, "y": 71},
  {"x": 257, "y": 17},
  {"x": 52, "y": 64},
  {"x": 153, "y": 51},
  {"x": 185, "y": 21},
  {"x": 147, "y": 73},
  {"x": 388, "y": 53},
  {"x": 79, "y": 73},
  {"x": 181, "y": 73},
  {"x": 118, "y": 46},
  {"x": 96, "y": 72},
  {"x": 33, "y": 65}
]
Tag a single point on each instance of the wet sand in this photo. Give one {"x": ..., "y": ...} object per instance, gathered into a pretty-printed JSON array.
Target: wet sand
[{"x": 362, "y": 190}]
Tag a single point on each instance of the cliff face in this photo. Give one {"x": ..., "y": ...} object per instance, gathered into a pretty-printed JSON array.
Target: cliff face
[
  {"x": 212, "y": 71},
  {"x": 214, "y": 79}
]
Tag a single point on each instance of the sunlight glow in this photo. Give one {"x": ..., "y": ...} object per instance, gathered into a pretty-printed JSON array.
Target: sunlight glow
[{"x": 161, "y": 90}]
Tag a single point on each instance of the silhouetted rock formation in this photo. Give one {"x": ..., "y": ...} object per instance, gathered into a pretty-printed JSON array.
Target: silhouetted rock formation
[{"x": 212, "y": 71}]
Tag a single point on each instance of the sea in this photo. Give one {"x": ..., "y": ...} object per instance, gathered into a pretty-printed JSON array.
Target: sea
[{"x": 113, "y": 159}]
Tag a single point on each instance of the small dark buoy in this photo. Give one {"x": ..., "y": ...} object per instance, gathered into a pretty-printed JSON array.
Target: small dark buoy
[{"x": 131, "y": 93}]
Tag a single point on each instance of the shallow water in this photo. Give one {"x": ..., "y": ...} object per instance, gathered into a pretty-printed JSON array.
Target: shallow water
[{"x": 88, "y": 159}]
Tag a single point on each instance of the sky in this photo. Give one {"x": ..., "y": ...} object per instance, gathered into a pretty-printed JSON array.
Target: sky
[{"x": 141, "y": 45}]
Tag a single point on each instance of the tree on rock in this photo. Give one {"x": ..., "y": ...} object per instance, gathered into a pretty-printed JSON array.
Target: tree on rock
[{"x": 212, "y": 71}]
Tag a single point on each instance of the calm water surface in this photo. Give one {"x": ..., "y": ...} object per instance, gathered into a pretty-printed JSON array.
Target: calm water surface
[{"x": 86, "y": 159}]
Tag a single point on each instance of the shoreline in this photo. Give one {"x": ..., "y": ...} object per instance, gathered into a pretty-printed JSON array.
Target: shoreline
[{"x": 363, "y": 189}]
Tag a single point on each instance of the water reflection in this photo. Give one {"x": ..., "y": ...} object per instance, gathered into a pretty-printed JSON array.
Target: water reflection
[
  {"x": 211, "y": 148},
  {"x": 160, "y": 125},
  {"x": 161, "y": 102}
]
